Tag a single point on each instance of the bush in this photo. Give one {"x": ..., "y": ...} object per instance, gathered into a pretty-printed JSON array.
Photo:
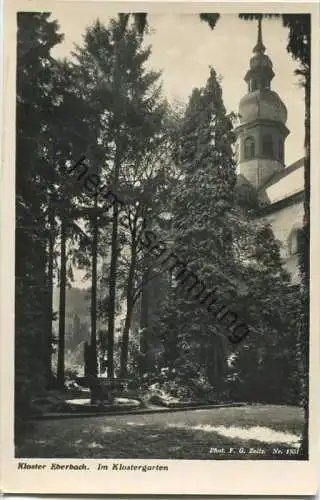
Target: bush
[{"x": 175, "y": 384}]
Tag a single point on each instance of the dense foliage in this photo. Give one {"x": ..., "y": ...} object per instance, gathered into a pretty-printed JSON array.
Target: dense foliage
[{"x": 213, "y": 229}]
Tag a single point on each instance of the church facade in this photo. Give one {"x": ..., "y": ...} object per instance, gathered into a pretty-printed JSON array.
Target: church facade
[{"x": 260, "y": 153}]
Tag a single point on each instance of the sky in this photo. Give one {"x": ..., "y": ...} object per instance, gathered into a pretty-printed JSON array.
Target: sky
[{"x": 183, "y": 48}]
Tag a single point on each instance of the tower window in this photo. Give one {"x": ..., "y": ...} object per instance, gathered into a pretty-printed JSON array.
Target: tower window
[
  {"x": 249, "y": 148},
  {"x": 265, "y": 83},
  {"x": 267, "y": 146},
  {"x": 281, "y": 150},
  {"x": 254, "y": 85}
]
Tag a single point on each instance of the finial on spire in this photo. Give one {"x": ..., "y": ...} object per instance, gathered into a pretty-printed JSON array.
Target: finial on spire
[{"x": 259, "y": 48}]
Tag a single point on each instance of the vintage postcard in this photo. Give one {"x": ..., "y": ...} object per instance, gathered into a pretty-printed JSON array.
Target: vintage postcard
[{"x": 159, "y": 320}]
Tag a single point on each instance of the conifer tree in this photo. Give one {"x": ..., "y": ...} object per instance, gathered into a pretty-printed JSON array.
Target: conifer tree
[
  {"x": 35, "y": 96},
  {"x": 51, "y": 130},
  {"x": 125, "y": 98},
  {"x": 202, "y": 235}
]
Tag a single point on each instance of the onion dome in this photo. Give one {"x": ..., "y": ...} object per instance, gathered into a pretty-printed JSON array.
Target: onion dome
[{"x": 262, "y": 105}]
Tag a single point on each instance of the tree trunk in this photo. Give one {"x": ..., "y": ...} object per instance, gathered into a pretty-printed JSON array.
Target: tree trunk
[
  {"x": 144, "y": 319},
  {"x": 112, "y": 292},
  {"x": 125, "y": 339},
  {"x": 116, "y": 80},
  {"x": 62, "y": 304},
  {"x": 94, "y": 292},
  {"x": 50, "y": 296},
  {"x": 130, "y": 306},
  {"x": 113, "y": 266}
]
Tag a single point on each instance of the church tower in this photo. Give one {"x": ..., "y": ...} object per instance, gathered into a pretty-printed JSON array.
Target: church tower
[{"x": 262, "y": 130}]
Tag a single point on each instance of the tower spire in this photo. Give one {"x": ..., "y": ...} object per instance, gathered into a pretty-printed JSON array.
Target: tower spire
[
  {"x": 262, "y": 130},
  {"x": 259, "y": 48}
]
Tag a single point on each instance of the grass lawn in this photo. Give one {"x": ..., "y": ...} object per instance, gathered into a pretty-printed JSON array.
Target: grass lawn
[{"x": 196, "y": 434}]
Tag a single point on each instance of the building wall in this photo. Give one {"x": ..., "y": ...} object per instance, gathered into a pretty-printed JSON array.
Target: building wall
[
  {"x": 285, "y": 222},
  {"x": 258, "y": 171}
]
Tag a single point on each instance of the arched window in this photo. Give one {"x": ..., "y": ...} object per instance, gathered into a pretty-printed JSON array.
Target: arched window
[
  {"x": 266, "y": 84},
  {"x": 294, "y": 241},
  {"x": 281, "y": 150},
  {"x": 253, "y": 85},
  {"x": 267, "y": 146},
  {"x": 249, "y": 148}
]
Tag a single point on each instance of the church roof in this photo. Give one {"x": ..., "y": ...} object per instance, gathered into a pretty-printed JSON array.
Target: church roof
[{"x": 283, "y": 185}]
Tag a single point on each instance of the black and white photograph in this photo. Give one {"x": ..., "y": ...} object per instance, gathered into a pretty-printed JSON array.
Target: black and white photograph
[{"x": 162, "y": 229}]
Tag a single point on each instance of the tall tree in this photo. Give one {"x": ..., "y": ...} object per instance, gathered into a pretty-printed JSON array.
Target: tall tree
[
  {"x": 36, "y": 37},
  {"x": 202, "y": 236},
  {"x": 69, "y": 133},
  {"x": 122, "y": 94},
  {"x": 146, "y": 185}
]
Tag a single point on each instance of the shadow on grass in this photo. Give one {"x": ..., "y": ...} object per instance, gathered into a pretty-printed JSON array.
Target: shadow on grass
[{"x": 136, "y": 440}]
